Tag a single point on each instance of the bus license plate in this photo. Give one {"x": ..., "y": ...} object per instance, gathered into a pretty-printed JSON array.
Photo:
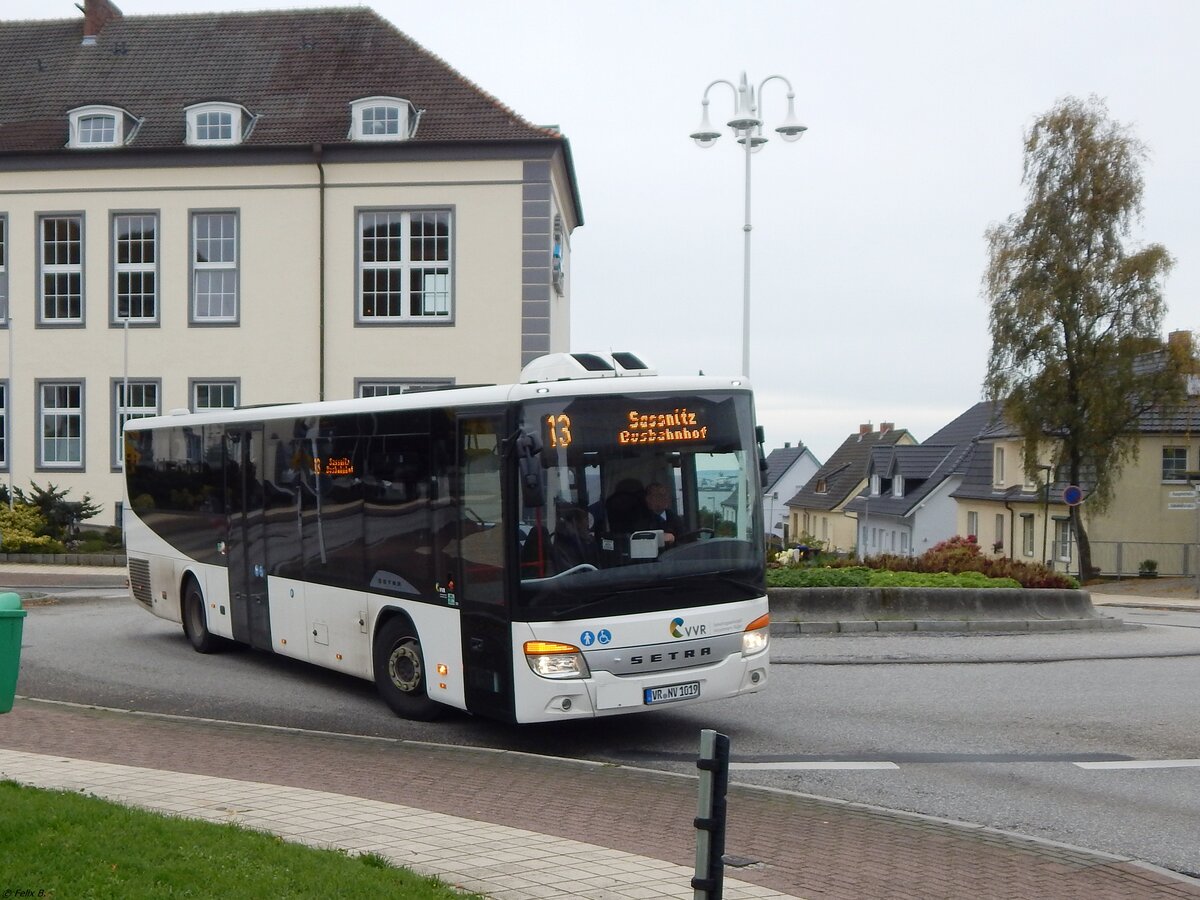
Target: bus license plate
[{"x": 673, "y": 692}]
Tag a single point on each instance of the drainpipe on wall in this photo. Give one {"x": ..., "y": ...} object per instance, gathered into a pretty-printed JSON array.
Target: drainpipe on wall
[
  {"x": 318, "y": 152},
  {"x": 1012, "y": 520}
]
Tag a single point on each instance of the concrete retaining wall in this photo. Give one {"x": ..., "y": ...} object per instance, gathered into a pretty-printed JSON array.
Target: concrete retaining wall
[{"x": 926, "y": 604}]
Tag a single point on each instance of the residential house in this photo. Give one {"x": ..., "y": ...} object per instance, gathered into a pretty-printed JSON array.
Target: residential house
[
  {"x": 227, "y": 209},
  {"x": 788, "y": 470},
  {"x": 907, "y": 505},
  {"x": 1023, "y": 514},
  {"x": 818, "y": 509}
]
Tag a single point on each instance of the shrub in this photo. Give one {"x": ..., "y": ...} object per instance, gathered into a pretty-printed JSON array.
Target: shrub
[
  {"x": 22, "y": 530},
  {"x": 955, "y": 556}
]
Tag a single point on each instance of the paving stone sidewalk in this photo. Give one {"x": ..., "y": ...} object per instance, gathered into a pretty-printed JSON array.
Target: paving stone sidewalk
[{"x": 800, "y": 846}]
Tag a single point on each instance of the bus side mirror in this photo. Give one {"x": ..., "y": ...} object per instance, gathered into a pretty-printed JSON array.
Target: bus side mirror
[
  {"x": 760, "y": 437},
  {"x": 530, "y": 469}
]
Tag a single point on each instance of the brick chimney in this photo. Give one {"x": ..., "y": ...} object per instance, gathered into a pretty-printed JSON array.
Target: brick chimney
[
  {"x": 864, "y": 429},
  {"x": 885, "y": 427},
  {"x": 96, "y": 14}
]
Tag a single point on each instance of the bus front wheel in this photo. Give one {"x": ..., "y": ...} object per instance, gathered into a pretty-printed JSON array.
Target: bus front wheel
[
  {"x": 195, "y": 623},
  {"x": 400, "y": 672}
]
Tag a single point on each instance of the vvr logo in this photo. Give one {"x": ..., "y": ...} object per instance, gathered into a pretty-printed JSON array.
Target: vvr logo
[{"x": 678, "y": 629}]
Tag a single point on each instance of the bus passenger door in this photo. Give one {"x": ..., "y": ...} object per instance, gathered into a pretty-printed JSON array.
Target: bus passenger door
[
  {"x": 478, "y": 559},
  {"x": 249, "y": 610}
]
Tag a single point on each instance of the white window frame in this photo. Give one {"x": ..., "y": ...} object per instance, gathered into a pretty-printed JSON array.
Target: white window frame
[
  {"x": 973, "y": 524},
  {"x": 141, "y": 268},
  {"x": 227, "y": 386},
  {"x": 199, "y": 124},
  {"x": 200, "y": 268},
  {"x": 998, "y": 543},
  {"x": 4, "y": 269},
  {"x": 998, "y": 466},
  {"x": 898, "y": 486},
  {"x": 364, "y": 119},
  {"x": 57, "y": 269},
  {"x": 384, "y": 387},
  {"x": 4, "y": 425},
  {"x": 875, "y": 485},
  {"x": 388, "y": 282},
  {"x": 50, "y": 430},
  {"x": 1062, "y": 540},
  {"x": 1175, "y": 473},
  {"x": 1027, "y": 534},
  {"x": 80, "y": 131},
  {"x": 122, "y": 412}
]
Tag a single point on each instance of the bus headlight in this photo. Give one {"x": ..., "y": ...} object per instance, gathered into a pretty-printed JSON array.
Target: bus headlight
[
  {"x": 554, "y": 660},
  {"x": 756, "y": 636}
]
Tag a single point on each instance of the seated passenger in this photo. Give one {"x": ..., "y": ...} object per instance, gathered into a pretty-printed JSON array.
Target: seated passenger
[{"x": 573, "y": 541}]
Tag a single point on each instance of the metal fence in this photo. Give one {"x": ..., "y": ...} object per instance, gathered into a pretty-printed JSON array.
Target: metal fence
[{"x": 1123, "y": 559}]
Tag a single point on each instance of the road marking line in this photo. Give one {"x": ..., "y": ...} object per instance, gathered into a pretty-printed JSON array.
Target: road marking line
[
  {"x": 1142, "y": 764},
  {"x": 797, "y": 766}
]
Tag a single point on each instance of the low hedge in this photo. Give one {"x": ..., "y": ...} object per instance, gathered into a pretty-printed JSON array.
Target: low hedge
[{"x": 861, "y": 576}]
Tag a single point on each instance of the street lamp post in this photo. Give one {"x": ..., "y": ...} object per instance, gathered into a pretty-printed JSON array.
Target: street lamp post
[{"x": 747, "y": 125}]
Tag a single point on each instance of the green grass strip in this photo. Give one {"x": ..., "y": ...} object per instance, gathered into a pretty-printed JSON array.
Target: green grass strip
[{"x": 67, "y": 845}]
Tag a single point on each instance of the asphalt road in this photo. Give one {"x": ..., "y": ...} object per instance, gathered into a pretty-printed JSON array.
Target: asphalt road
[{"x": 985, "y": 729}]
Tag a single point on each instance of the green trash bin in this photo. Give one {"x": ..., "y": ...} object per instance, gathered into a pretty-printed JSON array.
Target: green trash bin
[{"x": 11, "y": 622}]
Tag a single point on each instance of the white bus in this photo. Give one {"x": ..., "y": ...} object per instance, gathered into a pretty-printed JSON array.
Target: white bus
[{"x": 471, "y": 547}]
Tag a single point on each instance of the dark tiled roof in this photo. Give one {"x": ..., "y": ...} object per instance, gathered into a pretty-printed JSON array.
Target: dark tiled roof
[
  {"x": 926, "y": 466},
  {"x": 844, "y": 470},
  {"x": 297, "y": 70},
  {"x": 779, "y": 461},
  {"x": 972, "y": 423}
]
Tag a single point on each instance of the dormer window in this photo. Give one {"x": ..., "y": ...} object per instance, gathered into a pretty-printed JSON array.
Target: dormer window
[
  {"x": 383, "y": 119},
  {"x": 99, "y": 126},
  {"x": 218, "y": 124}
]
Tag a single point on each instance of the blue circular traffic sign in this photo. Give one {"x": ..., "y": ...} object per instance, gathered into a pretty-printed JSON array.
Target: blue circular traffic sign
[{"x": 1072, "y": 495}]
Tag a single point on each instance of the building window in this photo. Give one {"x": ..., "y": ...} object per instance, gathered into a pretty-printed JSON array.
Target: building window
[
  {"x": 898, "y": 486},
  {"x": 998, "y": 467},
  {"x": 1062, "y": 540},
  {"x": 998, "y": 543},
  {"x": 382, "y": 119},
  {"x": 1027, "y": 534},
  {"x": 93, "y": 127},
  {"x": 380, "y": 387},
  {"x": 60, "y": 419},
  {"x": 1174, "y": 464},
  {"x": 875, "y": 482},
  {"x": 140, "y": 402},
  {"x": 4, "y": 269},
  {"x": 822, "y": 487},
  {"x": 214, "y": 268},
  {"x": 3, "y": 426},
  {"x": 404, "y": 266},
  {"x": 135, "y": 267},
  {"x": 207, "y": 395},
  {"x": 218, "y": 123},
  {"x": 61, "y": 270},
  {"x": 973, "y": 524}
]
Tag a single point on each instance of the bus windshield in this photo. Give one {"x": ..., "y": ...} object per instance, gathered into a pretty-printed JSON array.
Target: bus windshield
[{"x": 648, "y": 502}]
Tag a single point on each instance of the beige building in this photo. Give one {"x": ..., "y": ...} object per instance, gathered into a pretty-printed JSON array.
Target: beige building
[
  {"x": 1023, "y": 514},
  {"x": 235, "y": 209},
  {"x": 818, "y": 509}
]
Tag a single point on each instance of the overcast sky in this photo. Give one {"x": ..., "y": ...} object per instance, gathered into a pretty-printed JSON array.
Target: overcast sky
[{"x": 868, "y": 246}]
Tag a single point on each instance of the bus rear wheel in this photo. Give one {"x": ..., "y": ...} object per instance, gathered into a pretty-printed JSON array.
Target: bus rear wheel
[
  {"x": 195, "y": 623},
  {"x": 400, "y": 672}
]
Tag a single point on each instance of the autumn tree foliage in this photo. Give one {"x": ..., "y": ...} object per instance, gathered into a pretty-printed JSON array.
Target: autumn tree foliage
[{"x": 1076, "y": 307}]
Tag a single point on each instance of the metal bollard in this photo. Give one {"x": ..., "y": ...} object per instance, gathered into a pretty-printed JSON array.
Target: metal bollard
[{"x": 708, "y": 882}]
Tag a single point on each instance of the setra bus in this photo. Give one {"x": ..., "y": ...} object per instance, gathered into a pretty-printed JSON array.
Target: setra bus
[{"x": 478, "y": 548}]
